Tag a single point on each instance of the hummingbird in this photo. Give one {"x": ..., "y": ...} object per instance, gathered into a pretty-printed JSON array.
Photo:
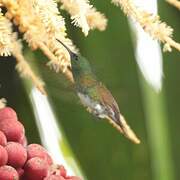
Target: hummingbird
[{"x": 94, "y": 95}]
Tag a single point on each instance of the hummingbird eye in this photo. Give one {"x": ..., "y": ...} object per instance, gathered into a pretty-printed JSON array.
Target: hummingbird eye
[{"x": 74, "y": 56}]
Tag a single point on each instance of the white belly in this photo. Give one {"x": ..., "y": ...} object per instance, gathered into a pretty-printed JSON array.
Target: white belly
[{"x": 95, "y": 107}]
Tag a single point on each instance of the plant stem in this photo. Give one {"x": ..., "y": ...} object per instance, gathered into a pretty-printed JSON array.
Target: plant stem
[
  {"x": 157, "y": 130},
  {"x": 147, "y": 49}
]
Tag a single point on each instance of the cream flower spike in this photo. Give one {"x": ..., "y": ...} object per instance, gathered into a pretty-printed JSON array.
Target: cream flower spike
[
  {"x": 84, "y": 15},
  {"x": 5, "y": 36},
  {"x": 78, "y": 10},
  {"x": 150, "y": 23},
  {"x": 33, "y": 25},
  {"x": 23, "y": 67},
  {"x": 54, "y": 25},
  {"x": 9, "y": 44},
  {"x": 2, "y": 103},
  {"x": 174, "y": 3},
  {"x": 50, "y": 16}
]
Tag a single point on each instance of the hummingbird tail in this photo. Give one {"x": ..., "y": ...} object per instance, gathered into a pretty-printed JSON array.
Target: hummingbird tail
[{"x": 125, "y": 129}]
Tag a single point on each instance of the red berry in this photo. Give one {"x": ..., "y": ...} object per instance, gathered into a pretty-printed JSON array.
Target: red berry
[
  {"x": 36, "y": 150},
  {"x": 7, "y": 113},
  {"x": 8, "y": 173},
  {"x": 3, "y": 156},
  {"x": 73, "y": 178},
  {"x": 58, "y": 170},
  {"x": 20, "y": 172},
  {"x": 3, "y": 140},
  {"x": 36, "y": 169},
  {"x": 54, "y": 177},
  {"x": 13, "y": 130},
  {"x": 62, "y": 171},
  {"x": 23, "y": 141},
  {"x": 17, "y": 154}
]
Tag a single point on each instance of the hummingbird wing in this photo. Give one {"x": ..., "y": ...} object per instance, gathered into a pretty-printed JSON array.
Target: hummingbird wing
[
  {"x": 113, "y": 113},
  {"x": 108, "y": 101}
]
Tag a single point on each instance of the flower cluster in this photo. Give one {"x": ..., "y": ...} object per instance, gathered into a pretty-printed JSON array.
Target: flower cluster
[
  {"x": 84, "y": 15},
  {"x": 175, "y": 3},
  {"x": 150, "y": 23},
  {"x": 41, "y": 24}
]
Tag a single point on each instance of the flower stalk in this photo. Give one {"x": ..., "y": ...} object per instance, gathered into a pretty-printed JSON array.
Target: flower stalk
[
  {"x": 150, "y": 23},
  {"x": 174, "y": 3}
]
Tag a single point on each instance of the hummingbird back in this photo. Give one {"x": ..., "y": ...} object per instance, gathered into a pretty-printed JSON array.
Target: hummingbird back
[{"x": 82, "y": 72}]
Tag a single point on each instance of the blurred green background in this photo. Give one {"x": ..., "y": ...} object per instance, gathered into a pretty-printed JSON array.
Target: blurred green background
[{"x": 103, "y": 153}]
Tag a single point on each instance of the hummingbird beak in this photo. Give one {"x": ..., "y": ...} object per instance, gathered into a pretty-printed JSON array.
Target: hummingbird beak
[
  {"x": 72, "y": 54},
  {"x": 124, "y": 128}
]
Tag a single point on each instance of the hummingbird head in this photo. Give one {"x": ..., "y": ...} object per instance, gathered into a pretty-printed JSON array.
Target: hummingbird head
[
  {"x": 80, "y": 64},
  {"x": 73, "y": 56}
]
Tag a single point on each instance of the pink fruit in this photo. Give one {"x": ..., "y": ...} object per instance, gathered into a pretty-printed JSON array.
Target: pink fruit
[
  {"x": 13, "y": 130},
  {"x": 3, "y": 156},
  {"x": 17, "y": 154},
  {"x": 36, "y": 150},
  {"x": 73, "y": 178},
  {"x": 3, "y": 140},
  {"x": 8, "y": 173},
  {"x": 20, "y": 172},
  {"x": 7, "y": 113},
  {"x": 54, "y": 177},
  {"x": 58, "y": 170},
  {"x": 23, "y": 141},
  {"x": 62, "y": 171},
  {"x": 36, "y": 169}
]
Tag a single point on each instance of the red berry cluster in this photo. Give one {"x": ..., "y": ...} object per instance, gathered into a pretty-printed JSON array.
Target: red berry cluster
[{"x": 19, "y": 161}]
